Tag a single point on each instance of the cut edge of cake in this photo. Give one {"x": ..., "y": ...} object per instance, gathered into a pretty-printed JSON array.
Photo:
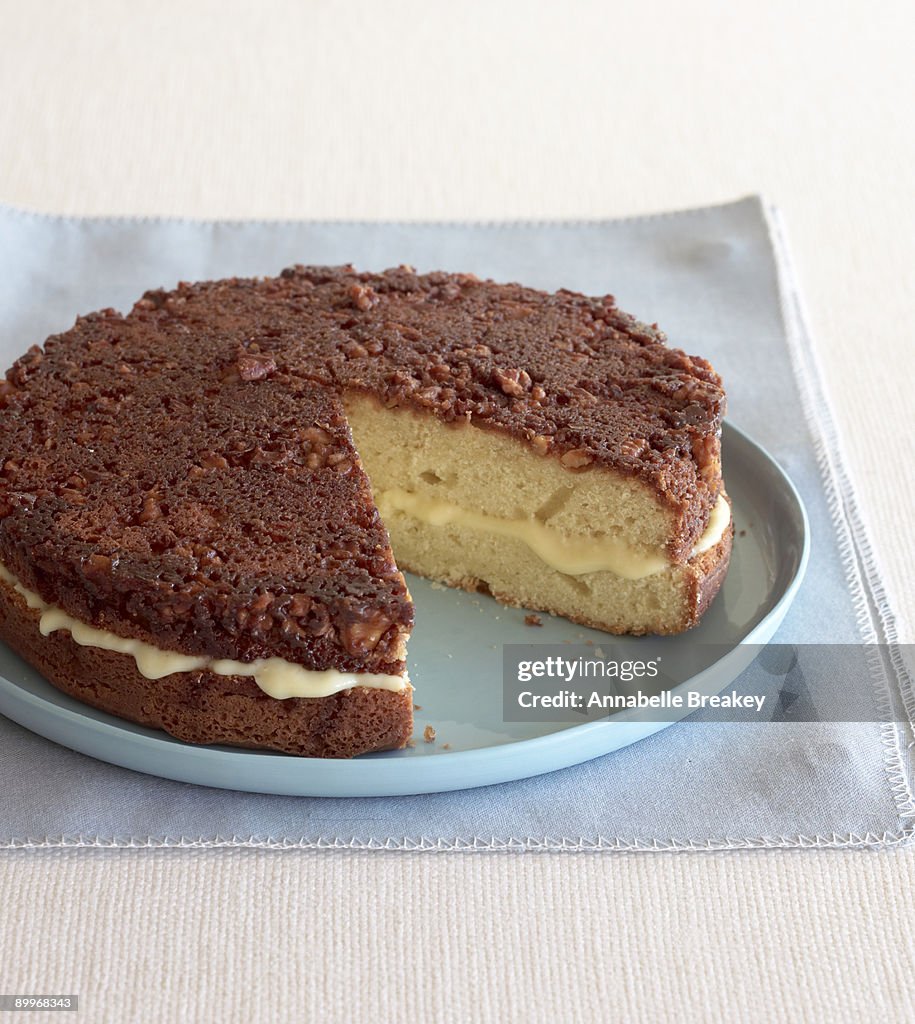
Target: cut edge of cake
[
  {"x": 203, "y": 707},
  {"x": 476, "y": 509}
]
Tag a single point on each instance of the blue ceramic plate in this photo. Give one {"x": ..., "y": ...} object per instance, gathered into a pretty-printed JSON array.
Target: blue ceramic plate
[{"x": 456, "y": 664}]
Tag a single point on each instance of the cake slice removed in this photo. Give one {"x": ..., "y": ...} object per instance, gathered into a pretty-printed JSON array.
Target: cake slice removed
[{"x": 188, "y": 540}]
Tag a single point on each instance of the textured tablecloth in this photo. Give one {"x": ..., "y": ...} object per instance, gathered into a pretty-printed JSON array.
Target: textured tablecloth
[{"x": 493, "y": 111}]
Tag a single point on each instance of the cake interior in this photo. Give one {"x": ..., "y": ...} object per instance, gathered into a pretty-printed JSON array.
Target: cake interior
[{"x": 474, "y": 509}]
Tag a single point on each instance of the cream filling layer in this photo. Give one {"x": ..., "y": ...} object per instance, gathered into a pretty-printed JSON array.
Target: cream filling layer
[
  {"x": 275, "y": 676},
  {"x": 573, "y": 556}
]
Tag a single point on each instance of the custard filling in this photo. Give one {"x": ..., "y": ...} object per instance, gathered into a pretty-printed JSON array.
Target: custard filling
[
  {"x": 281, "y": 679},
  {"x": 277, "y": 677},
  {"x": 573, "y": 556}
]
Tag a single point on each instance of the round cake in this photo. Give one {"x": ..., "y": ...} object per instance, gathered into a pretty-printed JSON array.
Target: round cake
[{"x": 199, "y": 500}]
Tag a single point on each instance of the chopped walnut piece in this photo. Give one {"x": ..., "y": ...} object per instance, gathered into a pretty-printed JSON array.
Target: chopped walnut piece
[
  {"x": 512, "y": 381},
  {"x": 577, "y": 458},
  {"x": 363, "y": 296},
  {"x": 429, "y": 734},
  {"x": 252, "y": 364},
  {"x": 7, "y": 390},
  {"x": 360, "y": 635},
  {"x": 300, "y": 605},
  {"x": 353, "y": 350},
  {"x": 632, "y": 447},
  {"x": 213, "y": 461},
  {"x": 150, "y": 510}
]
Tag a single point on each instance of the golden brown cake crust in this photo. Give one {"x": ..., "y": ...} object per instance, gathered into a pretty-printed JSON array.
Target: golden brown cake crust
[{"x": 201, "y": 707}]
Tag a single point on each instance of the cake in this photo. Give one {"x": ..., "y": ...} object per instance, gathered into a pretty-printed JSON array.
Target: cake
[{"x": 199, "y": 500}]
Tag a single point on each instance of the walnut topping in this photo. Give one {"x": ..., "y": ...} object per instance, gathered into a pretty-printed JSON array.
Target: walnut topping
[
  {"x": 632, "y": 447},
  {"x": 252, "y": 364},
  {"x": 24, "y": 367},
  {"x": 439, "y": 372},
  {"x": 261, "y": 602},
  {"x": 353, "y": 350},
  {"x": 577, "y": 458},
  {"x": 512, "y": 381},
  {"x": 318, "y": 623},
  {"x": 318, "y": 445},
  {"x": 211, "y": 460},
  {"x": 300, "y": 605},
  {"x": 340, "y": 462},
  {"x": 474, "y": 350},
  {"x": 363, "y": 297},
  {"x": 404, "y": 330},
  {"x": 360, "y": 634},
  {"x": 582, "y": 396},
  {"x": 316, "y": 436},
  {"x": 401, "y": 381},
  {"x": 150, "y": 510},
  {"x": 430, "y": 395},
  {"x": 97, "y": 565},
  {"x": 7, "y": 390}
]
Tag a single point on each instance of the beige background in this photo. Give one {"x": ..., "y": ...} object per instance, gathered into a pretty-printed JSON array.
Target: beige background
[{"x": 490, "y": 110}]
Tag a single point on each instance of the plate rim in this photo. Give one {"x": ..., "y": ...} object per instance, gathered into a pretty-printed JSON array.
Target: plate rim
[{"x": 460, "y": 769}]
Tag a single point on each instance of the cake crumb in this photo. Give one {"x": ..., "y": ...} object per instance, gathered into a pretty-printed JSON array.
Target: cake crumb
[
  {"x": 429, "y": 734},
  {"x": 417, "y": 707},
  {"x": 411, "y": 743},
  {"x": 743, "y": 533},
  {"x": 446, "y": 746},
  {"x": 590, "y": 643},
  {"x": 533, "y": 620}
]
